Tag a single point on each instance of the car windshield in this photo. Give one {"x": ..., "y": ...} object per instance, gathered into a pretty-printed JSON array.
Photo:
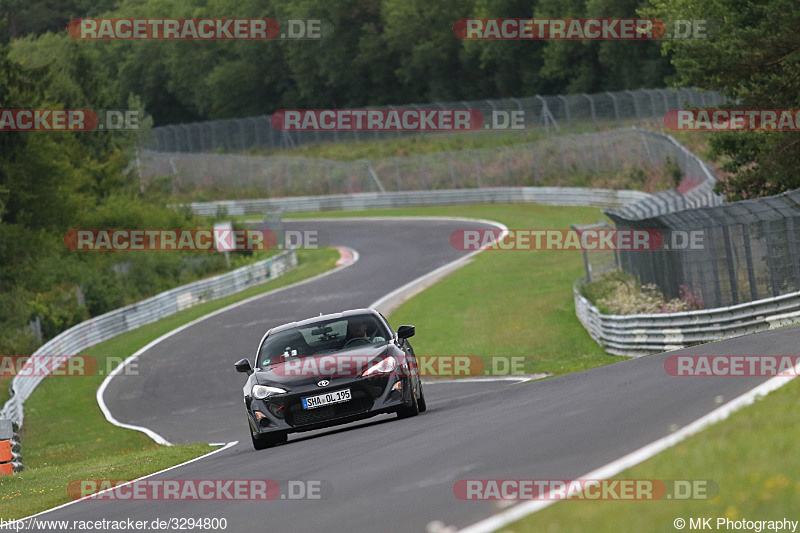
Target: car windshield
[{"x": 322, "y": 337}]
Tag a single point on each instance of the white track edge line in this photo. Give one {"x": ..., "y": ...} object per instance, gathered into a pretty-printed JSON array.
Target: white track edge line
[
  {"x": 209, "y": 454},
  {"x": 411, "y": 285},
  {"x": 613, "y": 468}
]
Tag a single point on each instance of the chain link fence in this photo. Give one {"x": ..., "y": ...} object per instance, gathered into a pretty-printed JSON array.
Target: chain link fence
[
  {"x": 548, "y": 113},
  {"x": 726, "y": 254},
  {"x": 564, "y": 160}
]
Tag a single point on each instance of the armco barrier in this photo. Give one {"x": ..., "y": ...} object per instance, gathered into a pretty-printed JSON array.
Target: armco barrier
[
  {"x": 10, "y": 459},
  {"x": 645, "y": 334},
  {"x": 101, "y": 328},
  {"x": 570, "y": 196}
]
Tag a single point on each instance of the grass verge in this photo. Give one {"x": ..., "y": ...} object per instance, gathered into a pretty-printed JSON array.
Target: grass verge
[
  {"x": 428, "y": 143},
  {"x": 76, "y": 442},
  {"x": 751, "y": 456},
  {"x": 535, "y": 316}
]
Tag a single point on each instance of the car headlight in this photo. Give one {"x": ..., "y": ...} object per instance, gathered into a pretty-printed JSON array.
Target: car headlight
[
  {"x": 383, "y": 367},
  {"x": 262, "y": 391}
]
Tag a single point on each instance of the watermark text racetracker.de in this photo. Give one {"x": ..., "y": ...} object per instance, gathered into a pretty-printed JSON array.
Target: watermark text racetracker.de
[
  {"x": 739, "y": 524},
  {"x": 106, "y": 240},
  {"x": 199, "y": 489},
  {"x": 351, "y": 365},
  {"x": 199, "y": 29},
  {"x": 70, "y": 119},
  {"x": 733, "y": 119},
  {"x": 63, "y": 365},
  {"x": 732, "y": 365},
  {"x": 396, "y": 120},
  {"x": 577, "y": 239},
  {"x": 614, "y": 29},
  {"x": 585, "y": 489}
]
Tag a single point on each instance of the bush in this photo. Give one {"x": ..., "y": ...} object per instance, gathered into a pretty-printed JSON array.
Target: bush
[{"x": 618, "y": 293}]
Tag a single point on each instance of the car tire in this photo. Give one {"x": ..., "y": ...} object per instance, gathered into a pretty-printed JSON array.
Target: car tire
[
  {"x": 423, "y": 406},
  {"x": 262, "y": 442},
  {"x": 411, "y": 410}
]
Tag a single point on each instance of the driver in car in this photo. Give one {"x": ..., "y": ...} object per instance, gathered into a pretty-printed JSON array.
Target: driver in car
[{"x": 357, "y": 330}]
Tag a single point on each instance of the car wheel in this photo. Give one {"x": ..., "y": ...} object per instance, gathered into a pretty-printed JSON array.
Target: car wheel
[
  {"x": 411, "y": 410},
  {"x": 423, "y": 406},
  {"x": 262, "y": 442}
]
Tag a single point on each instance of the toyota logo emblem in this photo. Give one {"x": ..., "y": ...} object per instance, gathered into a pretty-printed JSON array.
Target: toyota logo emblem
[{"x": 323, "y": 383}]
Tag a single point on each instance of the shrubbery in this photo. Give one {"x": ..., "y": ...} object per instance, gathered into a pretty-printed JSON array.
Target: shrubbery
[{"x": 618, "y": 293}]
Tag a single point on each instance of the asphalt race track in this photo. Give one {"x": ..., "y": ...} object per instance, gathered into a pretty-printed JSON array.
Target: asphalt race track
[{"x": 385, "y": 474}]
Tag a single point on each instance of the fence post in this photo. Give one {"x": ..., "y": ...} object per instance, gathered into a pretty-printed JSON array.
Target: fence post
[
  {"x": 591, "y": 107},
  {"x": 635, "y": 105},
  {"x": 652, "y": 103},
  {"x": 566, "y": 108},
  {"x": 773, "y": 274},
  {"x": 748, "y": 255},
  {"x": 477, "y": 168},
  {"x": 374, "y": 176},
  {"x": 793, "y": 252},
  {"x": 726, "y": 238},
  {"x": 616, "y": 108}
]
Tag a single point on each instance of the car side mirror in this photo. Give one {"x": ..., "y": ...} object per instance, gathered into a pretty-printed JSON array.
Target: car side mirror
[
  {"x": 404, "y": 332},
  {"x": 243, "y": 365}
]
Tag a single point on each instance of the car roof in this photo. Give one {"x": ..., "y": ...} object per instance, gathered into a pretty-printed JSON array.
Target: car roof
[{"x": 332, "y": 316}]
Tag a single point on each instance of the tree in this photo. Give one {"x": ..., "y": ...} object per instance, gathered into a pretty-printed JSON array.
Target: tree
[
  {"x": 504, "y": 68},
  {"x": 752, "y": 57}
]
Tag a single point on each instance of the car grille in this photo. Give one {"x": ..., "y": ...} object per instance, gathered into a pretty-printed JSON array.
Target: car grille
[{"x": 298, "y": 416}]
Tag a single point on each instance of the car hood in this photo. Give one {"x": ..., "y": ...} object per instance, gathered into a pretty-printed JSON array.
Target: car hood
[{"x": 300, "y": 371}]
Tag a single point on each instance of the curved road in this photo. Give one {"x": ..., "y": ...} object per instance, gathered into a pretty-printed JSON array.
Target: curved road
[{"x": 385, "y": 474}]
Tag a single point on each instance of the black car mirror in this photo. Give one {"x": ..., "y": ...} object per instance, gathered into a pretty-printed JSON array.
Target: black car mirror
[
  {"x": 321, "y": 331},
  {"x": 243, "y": 365},
  {"x": 404, "y": 332}
]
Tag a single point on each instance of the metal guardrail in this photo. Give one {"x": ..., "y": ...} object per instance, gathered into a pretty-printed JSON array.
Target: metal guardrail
[
  {"x": 645, "y": 334},
  {"x": 570, "y": 196},
  {"x": 101, "y": 328}
]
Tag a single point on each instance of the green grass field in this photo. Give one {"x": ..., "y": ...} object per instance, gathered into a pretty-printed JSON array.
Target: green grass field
[
  {"x": 419, "y": 144},
  {"x": 66, "y": 437}
]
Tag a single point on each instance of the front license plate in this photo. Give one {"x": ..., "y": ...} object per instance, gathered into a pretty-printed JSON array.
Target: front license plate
[{"x": 326, "y": 399}]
